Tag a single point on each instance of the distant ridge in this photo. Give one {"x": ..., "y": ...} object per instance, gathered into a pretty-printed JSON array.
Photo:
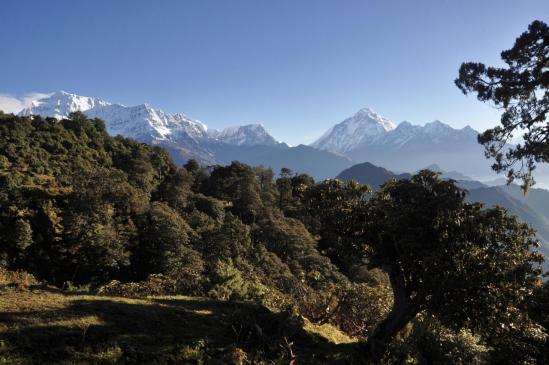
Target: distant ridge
[{"x": 367, "y": 173}]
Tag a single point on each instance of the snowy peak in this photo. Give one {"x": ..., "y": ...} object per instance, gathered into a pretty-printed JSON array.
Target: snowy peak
[
  {"x": 369, "y": 129},
  {"x": 246, "y": 135},
  {"x": 192, "y": 126},
  {"x": 363, "y": 127},
  {"x": 402, "y": 134},
  {"x": 140, "y": 122},
  {"x": 368, "y": 114},
  {"x": 144, "y": 122},
  {"x": 60, "y": 104},
  {"x": 437, "y": 127},
  {"x": 441, "y": 133}
]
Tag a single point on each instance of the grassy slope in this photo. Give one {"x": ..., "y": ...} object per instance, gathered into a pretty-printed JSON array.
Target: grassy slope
[{"x": 46, "y": 326}]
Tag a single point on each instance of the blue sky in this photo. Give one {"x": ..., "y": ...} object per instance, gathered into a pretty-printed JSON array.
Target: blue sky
[{"x": 297, "y": 66}]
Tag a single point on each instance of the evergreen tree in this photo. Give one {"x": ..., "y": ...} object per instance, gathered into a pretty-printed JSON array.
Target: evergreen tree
[{"x": 521, "y": 90}]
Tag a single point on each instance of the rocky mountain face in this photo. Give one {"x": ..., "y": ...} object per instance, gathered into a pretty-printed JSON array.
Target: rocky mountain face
[
  {"x": 141, "y": 121},
  {"x": 183, "y": 136}
]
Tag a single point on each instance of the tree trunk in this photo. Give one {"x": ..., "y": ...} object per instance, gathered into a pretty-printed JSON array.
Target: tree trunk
[{"x": 403, "y": 311}]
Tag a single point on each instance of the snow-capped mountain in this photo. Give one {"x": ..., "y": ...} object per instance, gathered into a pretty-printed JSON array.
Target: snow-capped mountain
[
  {"x": 246, "y": 135},
  {"x": 140, "y": 122},
  {"x": 365, "y": 127},
  {"x": 368, "y": 128},
  {"x": 367, "y": 136},
  {"x": 60, "y": 104},
  {"x": 406, "y": 134},
  {"x": 144, "y": 122}
]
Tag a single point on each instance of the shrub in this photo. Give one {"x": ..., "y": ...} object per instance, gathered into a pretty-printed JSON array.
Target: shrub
[
  {"x": 156, "y": 284},
  {"x": 19, "y": 279}
]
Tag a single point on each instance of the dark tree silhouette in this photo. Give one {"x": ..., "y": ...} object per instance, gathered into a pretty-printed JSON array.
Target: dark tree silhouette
[{"x": 520, "y": 89}]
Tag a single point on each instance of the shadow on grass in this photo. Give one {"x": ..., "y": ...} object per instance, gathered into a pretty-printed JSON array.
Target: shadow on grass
[{"x": 161, "y": 331}]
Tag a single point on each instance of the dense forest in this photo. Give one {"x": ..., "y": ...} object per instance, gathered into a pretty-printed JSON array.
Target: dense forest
[{"x": 411, "y": 271}]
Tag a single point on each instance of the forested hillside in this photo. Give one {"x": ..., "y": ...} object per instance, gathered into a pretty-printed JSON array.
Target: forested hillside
[{"x": 410, "y": 273}]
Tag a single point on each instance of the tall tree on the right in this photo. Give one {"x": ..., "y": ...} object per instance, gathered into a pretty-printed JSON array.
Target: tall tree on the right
[
  {"x": 520, "y": 89},
  {"x": 470, "y": 267}
]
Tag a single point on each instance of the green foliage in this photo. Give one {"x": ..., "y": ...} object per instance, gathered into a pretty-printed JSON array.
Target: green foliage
[
  {"x": 238, "y": 184},
  {"x": 164, "y": 237},
  {"x": 539, "y": 310},
  {"x": 230, "y": 240},
  {"x": 334, "y": 208},
  {"x": 230, "y": 284},
  {"x": 175, "y": 190},
  {"x": 23, "y": 234},
  {"x": 361, "y": 308},
  {"x": 521, "y": 90}
]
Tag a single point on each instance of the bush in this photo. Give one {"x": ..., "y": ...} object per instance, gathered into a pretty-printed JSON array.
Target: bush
[
  {"x": 156, "y": 284},
  {"x": 362, "y": 307},
  {"x": 230, "y": 284},
  {"x": 428, "y": 341},
  {"x": 19, "y": 279}
]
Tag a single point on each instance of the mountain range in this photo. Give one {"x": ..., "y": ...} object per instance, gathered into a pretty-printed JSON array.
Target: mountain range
[{"x": 365, "y": 136}]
